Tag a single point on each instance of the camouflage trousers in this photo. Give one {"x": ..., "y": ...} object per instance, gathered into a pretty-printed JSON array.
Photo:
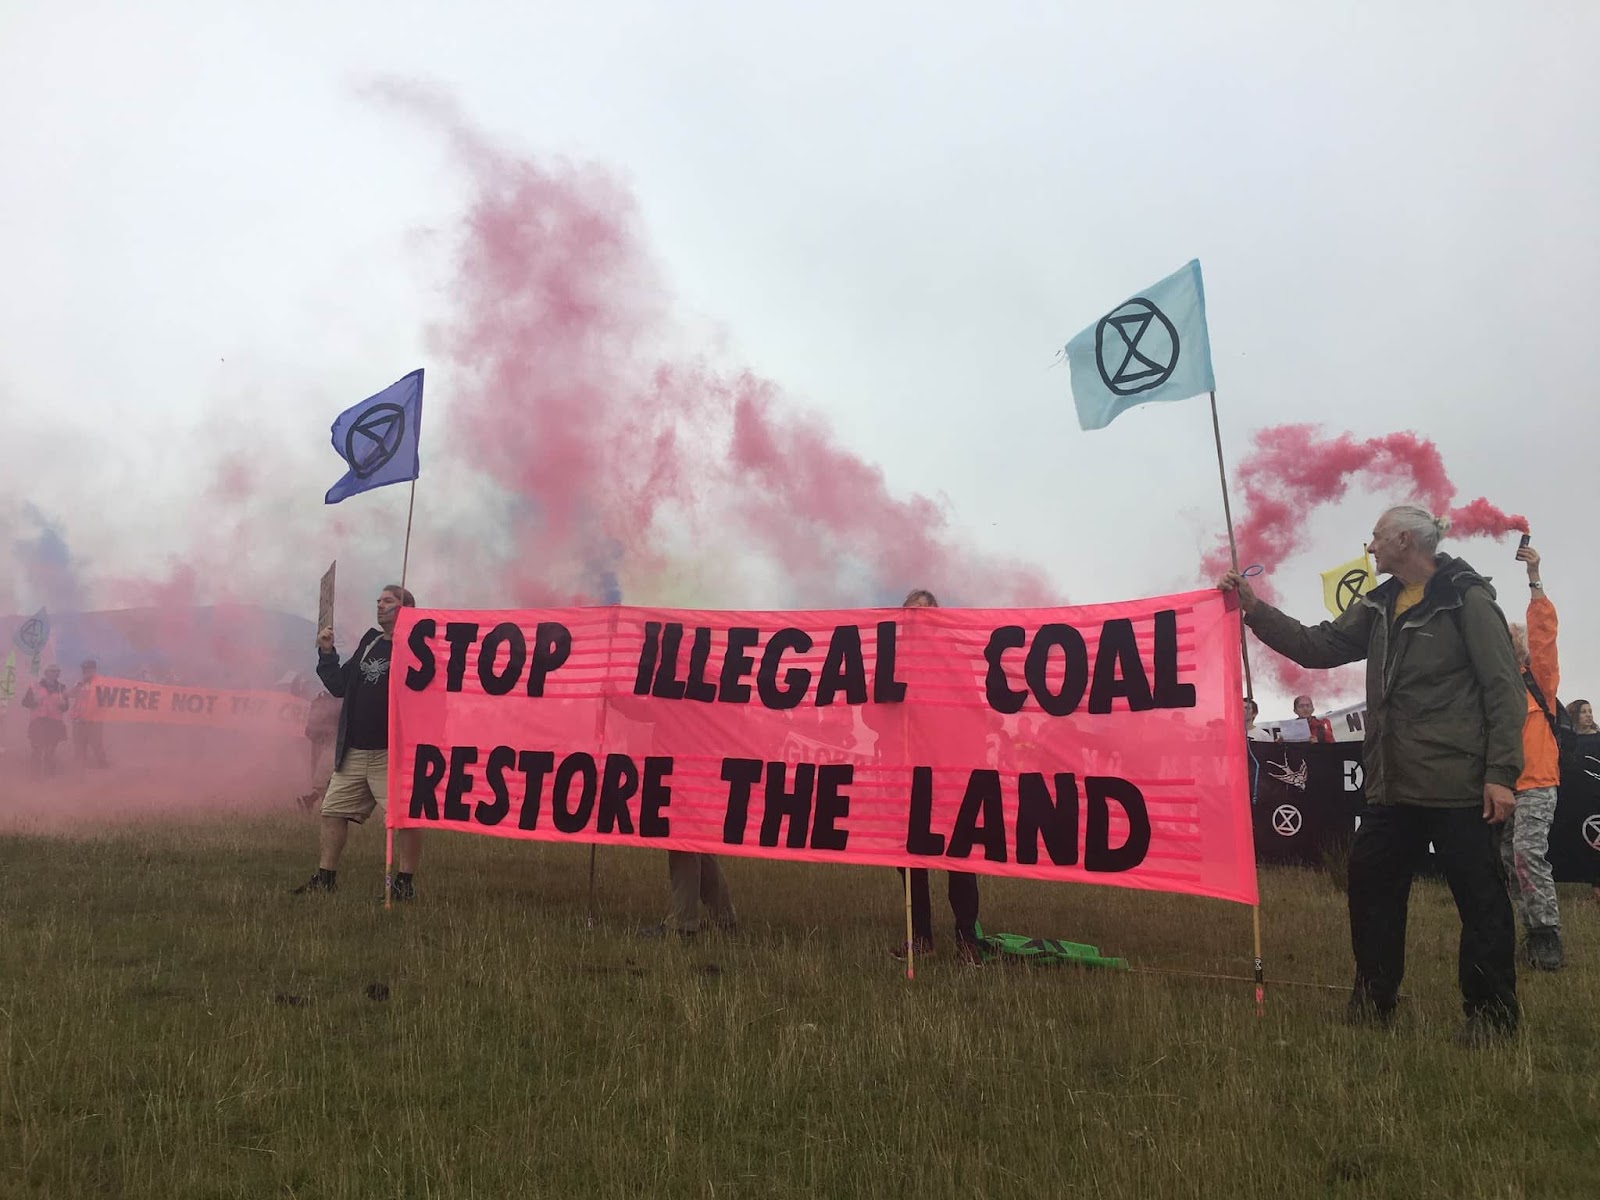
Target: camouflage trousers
[{"x": 1524, "y": 848}]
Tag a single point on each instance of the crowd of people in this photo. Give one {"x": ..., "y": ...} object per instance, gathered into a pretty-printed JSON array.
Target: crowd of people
[
  {"x": 1464, "y": 746},
  {"x": 57, "y": 712}
]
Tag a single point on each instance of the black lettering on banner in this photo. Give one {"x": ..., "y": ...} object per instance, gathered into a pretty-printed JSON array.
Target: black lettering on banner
[
  {"x": 1055, "y": 818},
  {"x": 736, "y": 664},
  {"x": 534, "y": 765},
  {"x": 420, "y": 676},
  {"x": 461, "y": 780},
  {"x": 654, "y": 795},
  {"x": 618, "y": 783},
  {"x": 569, "y": 819},
  {"x": 426, "y": 776},
  {"x": 843, "y": 668},
  {"x": 784, "y": 805},
  {"x": 500, "y": 683},
  {"x": 832, "y": 806},
  {"x": 649, "y": 649},
  {"x": 460, "y": 635},
  {"x": 104, "y": 697},
  {"x": 1075, "y": 677},
  {"x": 1003, "y": 698},
  {"x": 124, "y": 695},
  {"x": 1169, "y": 693},
  {"x": 1098, "y": 853},
  {"x": 982, "y": 818},
  {"x": 886, "y": 689},
  {"x": 920, "y": 838},
  {"x": 1118, "y": 670},
  {"x": 501, "y": 759},
  {"x": 697, "y": 686},
  {"x": 667, "y": 685},
  {"x": 797, "y": 679},
  {"x": 740, "y": 774},
  {"x": 552, "y": 646}
]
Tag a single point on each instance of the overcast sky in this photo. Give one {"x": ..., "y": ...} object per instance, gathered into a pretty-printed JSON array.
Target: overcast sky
[{"x": 898, "y": 212}]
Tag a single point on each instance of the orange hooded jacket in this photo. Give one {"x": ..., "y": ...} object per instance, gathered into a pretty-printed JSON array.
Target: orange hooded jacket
[{"x": 1541, "y": 766}]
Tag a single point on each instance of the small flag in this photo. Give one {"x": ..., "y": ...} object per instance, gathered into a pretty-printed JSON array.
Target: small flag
[
  {"x": 33, "y": 635},
  {"x": 1343, "y": 584},
  {"x": 8, "y": 680},
  {"x": 1153, "y": 346},
  {"x": 378, "y": 439}
]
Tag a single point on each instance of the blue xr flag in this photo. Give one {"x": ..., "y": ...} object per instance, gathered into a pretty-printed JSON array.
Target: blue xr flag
[
  {"x": 1153, "y": 346},
  {"x": 378, "y": 439}
]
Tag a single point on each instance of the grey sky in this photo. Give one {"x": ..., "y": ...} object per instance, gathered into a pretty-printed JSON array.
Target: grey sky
[{"x": 897, "y": 212}]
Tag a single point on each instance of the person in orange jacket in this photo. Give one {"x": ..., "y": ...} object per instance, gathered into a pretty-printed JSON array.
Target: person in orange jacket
[{"x": 1525, "y": 841}]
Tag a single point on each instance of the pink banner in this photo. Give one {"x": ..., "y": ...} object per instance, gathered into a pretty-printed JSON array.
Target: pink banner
[{"x": 1101, "y": 744}]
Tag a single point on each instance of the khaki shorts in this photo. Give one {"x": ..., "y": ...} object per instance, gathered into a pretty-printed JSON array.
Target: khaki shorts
[{"x": 359, "y": 786}]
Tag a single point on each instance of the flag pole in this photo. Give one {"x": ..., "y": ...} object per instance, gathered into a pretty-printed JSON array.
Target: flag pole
[
  {"x": 1249, "y": 691},
  {"x": 388, "y": 830},
  {"x": 911, "y": 942}
]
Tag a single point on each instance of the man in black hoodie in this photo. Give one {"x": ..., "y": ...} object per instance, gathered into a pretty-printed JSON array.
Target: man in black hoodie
[
  {"x": 360, "y": 781},
  {"x": 1443, "y": 750}
]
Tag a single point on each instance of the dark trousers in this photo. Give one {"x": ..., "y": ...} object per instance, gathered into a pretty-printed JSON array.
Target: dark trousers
[
  {"x": 963, "y": 904},
  {"x": 1388, "y": 848}
]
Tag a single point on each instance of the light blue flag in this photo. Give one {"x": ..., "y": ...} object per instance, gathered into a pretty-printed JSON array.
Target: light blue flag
[
  {"x": 1153, "y": 346},
  {"x": 378, "y": 439}
]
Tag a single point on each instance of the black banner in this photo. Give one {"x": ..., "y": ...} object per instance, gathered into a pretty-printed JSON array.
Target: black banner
[{"x": 1308, "y": 796}]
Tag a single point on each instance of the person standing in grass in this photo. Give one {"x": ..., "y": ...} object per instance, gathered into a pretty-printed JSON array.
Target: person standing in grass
[
  {"x": 1443, "y": 752},
  {"x": 47, "y": 728},
  {"x": 888, "y": 722},
  {"x": 1525, "y": 842},
  {"x": 360, "y": 780}
]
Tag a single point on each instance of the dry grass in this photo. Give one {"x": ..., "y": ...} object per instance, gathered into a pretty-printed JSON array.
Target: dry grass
[{"x": 176, "y": 1026}]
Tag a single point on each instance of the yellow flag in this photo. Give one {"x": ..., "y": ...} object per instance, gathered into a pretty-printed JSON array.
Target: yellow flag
[{"x": 1343, "y": 584}]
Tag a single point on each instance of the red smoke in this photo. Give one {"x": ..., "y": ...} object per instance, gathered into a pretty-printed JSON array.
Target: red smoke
[
  {"x": 1292, "y": 470},
  {"x": 617, "y": 452}
]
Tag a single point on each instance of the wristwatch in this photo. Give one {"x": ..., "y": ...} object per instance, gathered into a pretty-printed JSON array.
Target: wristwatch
[{"x": 1536, "y": 585}]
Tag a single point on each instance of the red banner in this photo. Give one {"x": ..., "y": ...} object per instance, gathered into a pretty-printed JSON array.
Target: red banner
[
  {"x": 116, "y": 701},
  {"x": 1101, "y": 744}
]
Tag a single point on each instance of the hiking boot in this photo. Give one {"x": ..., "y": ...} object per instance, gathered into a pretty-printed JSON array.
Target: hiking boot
[
  {"x": 322, "y": 882},
  {"x": 969, "y": 952},
  {"x": 402, "y": 890},
  {"x": 1482, "y": 1030},
  {"x": 1363, "y": 1013},
  {"x": 920, "y": 947},
  {"x": 1542, "y": 949}
]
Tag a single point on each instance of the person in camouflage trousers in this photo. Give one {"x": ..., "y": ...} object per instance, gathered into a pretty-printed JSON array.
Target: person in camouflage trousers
[{"x": 1525, "y": 841}]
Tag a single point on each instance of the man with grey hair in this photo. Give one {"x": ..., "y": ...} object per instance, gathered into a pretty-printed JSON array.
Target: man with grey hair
[{"x": 1445, "y": 709}]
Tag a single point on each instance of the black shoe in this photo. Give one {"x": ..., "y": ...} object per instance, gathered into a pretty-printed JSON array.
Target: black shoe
[
  {"x": 1364, "y": 1013},
  {"x": 921, "y": 947},
  {"x": 1543, "y": 949},
  {"x": 402, "y": 891},
  {"x": 969, "y": 952},
  {"x": 317, "y": 883},
  {"x": 1483, "y": 1030}
]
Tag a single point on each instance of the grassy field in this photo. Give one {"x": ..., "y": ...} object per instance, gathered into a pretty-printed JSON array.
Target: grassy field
[{"x": 176, "y": 1026}]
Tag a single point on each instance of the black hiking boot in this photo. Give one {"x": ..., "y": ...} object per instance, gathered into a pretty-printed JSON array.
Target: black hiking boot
[
  {"x": 1483, "y": 1030},
  {"x": 323, "y": 882},
  {"x": 402, "y": 889},
  {"x": 1543, "y": 949}
]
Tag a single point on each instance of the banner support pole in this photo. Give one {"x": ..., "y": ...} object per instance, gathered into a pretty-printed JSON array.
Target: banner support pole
[
  {"x": 388, "y": 830},
  {"x": 1259, "y": 970}
]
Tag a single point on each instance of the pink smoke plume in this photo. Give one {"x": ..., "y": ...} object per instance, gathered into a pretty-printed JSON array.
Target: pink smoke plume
[
  {"x": 617, "y": 451},
  {"x": 1292, "y": 470}
]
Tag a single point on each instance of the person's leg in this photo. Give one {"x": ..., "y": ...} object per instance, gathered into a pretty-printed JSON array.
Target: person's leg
[
  {"x": 1533, "y": 883},
  {"x": 1383, "y": 857},
  {"x": 683, "y": 873},
  {"x": 921, "y": 908},
  {"x": 407, "y": 850},
  {"x": 1505, "y": 841},
  {"x": 335, "y": 832},
  {"x": 963, "y": 892},
  {"x": 714, "y": 894},
  {"x": 1486, "y": 963}
]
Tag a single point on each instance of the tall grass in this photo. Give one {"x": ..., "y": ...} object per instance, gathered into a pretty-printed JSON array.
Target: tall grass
[{"x": 175, "y": 1025}]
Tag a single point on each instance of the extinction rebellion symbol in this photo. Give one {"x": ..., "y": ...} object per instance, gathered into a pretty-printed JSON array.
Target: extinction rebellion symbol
[
  {"x": 1591, "y": 831},
  {"x": 374, "y": 438},
  {"x": 1349, "y": 587},
  {"x": 1286, "y": 820},
  {"x": 33, "y": 635},
  {"x": 1135, "y": 348}
]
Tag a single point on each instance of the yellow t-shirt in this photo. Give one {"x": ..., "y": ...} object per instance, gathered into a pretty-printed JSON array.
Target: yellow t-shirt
[{"x": 1410, "y": 596}]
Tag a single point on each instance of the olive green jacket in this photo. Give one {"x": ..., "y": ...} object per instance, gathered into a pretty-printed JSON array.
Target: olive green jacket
[{"x": 1445, "y": 698}]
